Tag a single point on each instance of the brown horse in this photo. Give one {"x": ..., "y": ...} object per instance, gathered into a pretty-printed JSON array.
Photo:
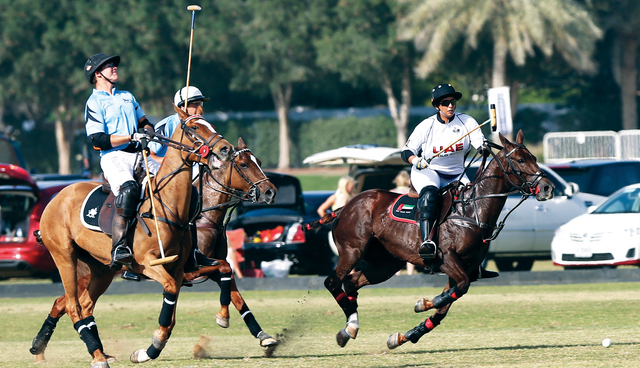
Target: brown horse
[
  {"x": 363, "y": 231},
  {"x": 195, "y": 141},
  {"x": 241, "y": 179}
]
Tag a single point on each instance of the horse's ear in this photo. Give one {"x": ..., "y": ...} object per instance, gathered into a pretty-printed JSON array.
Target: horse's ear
[
  {"x": 520, "y": 137},
  {"x": 505, "y": 141},
  {"x": 183, "y": 115},
  {"x": 241, "y": 143}
]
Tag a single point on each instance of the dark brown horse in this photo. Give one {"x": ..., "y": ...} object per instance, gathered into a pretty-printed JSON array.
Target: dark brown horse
[
  {"x": 62, "y": 232},
  {"x": 240, "y": 179},
  {"x": 363, "y": 231}
]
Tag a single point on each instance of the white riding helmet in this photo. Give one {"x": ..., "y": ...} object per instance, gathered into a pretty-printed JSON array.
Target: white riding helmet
[{"x": 194, "y": 95}]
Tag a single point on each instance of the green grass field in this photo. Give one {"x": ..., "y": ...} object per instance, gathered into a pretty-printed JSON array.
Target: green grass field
[{"x": 502, "y": 326}]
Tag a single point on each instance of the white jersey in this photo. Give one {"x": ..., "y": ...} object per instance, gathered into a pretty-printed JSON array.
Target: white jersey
[{"x": 431, "y": 136}]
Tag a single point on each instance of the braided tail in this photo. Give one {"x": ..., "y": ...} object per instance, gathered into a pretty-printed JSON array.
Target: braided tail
[{"x": 326, "y": 219}]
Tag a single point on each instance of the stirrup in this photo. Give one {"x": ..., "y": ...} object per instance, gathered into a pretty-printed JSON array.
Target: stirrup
[
  {"x": 427, "y": 250},
  {"x": 120, "y": 255},
  {"x": 130, "y": 276}
]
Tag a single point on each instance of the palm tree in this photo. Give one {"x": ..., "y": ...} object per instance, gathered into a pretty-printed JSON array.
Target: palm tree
[
  {"x": 622, "y": 18},
  {"x": 514, "y": 26}
]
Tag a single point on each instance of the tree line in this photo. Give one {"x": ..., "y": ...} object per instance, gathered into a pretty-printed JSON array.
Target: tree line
[{"x": 275, "y": 54}]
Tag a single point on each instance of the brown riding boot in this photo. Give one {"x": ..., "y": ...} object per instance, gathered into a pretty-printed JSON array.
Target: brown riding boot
[{"x": 120, "y": 252}]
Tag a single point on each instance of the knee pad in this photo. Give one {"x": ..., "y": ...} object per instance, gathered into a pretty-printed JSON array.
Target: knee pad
[{"x": 127, "y": 201}]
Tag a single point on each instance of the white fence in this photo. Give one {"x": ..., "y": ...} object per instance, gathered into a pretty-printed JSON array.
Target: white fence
[{"x": 568, "y": 146}]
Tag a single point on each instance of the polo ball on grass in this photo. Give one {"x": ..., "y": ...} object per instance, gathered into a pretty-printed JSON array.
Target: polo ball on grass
[{"x": 606, "y": 342}]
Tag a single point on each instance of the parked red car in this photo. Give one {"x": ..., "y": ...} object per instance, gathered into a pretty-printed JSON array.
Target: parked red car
[{"x": 22, "y": 201}]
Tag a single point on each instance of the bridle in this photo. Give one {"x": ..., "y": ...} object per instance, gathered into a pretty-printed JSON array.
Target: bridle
[
  {"x": 252, "y": 194},
  {"x": 201, "y": 148},
  {"x": 525, "y": 188}
]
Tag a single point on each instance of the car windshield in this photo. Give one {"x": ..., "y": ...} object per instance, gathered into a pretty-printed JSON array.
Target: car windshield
[
  {"x": 15, "y": 208},
  {"x": 626, "y": 201}
]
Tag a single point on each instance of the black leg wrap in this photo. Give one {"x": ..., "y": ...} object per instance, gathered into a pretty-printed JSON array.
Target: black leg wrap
[
  {"x": 422, "y": 329},
  {"x": 347, "y": 306},
  {"x": 39, "y": 343},
  {"x": 152, "y": 352},
  {"x": 251, "y": 322},
  {"x": 225, "y": 288},
  {"x": 86, "y": 336},
  {"x": 93, "y": 327},
  {"x": 168, "y": 306},
  {"x": 447, "y": 297}
]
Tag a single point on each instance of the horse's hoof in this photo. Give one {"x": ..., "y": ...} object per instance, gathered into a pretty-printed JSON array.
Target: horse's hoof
[
  {"x": 342, "y": 338},
  {"x": 352, "y": 329},
  {"x": 110, "y": 358},
  {"x": 40, "y": 359},
  {"x": 269, "y": 341},
  {"x": 421, "y": 305},
  {"x": 396, "y": 340},
  {"x": 266, "y": 340},
  {"x": 221, "y": 321},
  {"x": 139, "y": 356},
  {"x": 100, "y": 365}
]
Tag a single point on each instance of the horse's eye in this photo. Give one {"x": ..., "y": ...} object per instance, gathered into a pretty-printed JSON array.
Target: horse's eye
[
  {"x": 244, "y": 165},
  {"x": 195, "y": 127},
  {"x": 521, "y": 161}
]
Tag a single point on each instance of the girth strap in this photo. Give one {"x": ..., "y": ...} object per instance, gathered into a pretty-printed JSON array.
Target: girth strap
[{"x": 166, "y": 221}]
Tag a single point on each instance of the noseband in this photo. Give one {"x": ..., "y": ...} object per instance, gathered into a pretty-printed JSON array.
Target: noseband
[{"x": 239, "y": 195}]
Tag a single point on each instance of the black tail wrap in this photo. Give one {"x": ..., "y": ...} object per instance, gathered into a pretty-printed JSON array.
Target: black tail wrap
[{"x": 39, "y": 343}]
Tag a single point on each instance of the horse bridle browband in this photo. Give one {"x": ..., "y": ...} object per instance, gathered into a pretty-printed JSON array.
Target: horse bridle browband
[{"x": 235, "y": 193}]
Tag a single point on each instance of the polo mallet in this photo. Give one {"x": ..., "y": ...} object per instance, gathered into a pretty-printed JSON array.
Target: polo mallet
[
  {"x": 194, "y": 9},
  {"x": 459, "y": 139},
  {"x": 492, "y": 114},
  {"x": 162, "y": 260}
]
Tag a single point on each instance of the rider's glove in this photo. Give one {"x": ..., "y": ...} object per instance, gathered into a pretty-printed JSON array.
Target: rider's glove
[
  {"x": 139, "y": 137},
  {"x": 420, "y": 163}
]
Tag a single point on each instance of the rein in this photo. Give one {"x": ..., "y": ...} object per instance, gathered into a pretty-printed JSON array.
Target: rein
[
  {"x": 201, "y": 148},
  {"x": 526, "y": 188}
]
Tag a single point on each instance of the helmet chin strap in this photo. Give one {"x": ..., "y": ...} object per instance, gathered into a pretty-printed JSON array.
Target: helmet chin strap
[{"x": 107, "y": 79}]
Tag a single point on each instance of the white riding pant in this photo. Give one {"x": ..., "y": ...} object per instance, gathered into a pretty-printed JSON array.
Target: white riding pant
[
  {"x": 425, "y": 177},
  {"x": 118, "y": 168}
]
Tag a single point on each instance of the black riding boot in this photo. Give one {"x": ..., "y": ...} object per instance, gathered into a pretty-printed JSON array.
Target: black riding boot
[
  {"x": 126, "y": 207},
  {"x": 427, "y": 214}
]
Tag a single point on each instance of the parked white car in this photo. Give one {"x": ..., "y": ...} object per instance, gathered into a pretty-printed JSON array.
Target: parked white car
[
  {"x": 607, "y": 236},
  {"x": 528, "y": 230}
]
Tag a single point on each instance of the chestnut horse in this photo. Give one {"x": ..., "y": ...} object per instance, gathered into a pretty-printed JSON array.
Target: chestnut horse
[
  {"x": 194, "y": 141},
  {"x": 242, "y": 179},
  {"x": 363, "y": 231}
]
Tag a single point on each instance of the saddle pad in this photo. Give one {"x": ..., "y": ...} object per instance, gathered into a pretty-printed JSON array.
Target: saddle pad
[
  {"x": 404, "y": 209},
  {"x": 90, "y": 209}
]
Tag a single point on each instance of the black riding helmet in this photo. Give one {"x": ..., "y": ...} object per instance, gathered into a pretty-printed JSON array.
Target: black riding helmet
[
  {"x": 94, "y": 63},
  {"x": 441, "y": 91}
]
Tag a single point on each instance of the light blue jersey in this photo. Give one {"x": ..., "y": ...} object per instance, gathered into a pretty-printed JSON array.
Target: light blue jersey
[
  {"x": 166, "y": 127},
  {"x": 115, "y": 114}
]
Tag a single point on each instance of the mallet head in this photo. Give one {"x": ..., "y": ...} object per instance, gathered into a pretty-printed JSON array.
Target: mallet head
[{"x": 194, "y": 7}]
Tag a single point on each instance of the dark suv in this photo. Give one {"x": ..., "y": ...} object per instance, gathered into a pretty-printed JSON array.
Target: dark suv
[
  {"x": 601, "y": 177},
  {"x": 275, "y": 231}
]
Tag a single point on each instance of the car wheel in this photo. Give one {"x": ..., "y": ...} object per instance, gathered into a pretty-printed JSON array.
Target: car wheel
[{"x": 513, "y": 264}]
